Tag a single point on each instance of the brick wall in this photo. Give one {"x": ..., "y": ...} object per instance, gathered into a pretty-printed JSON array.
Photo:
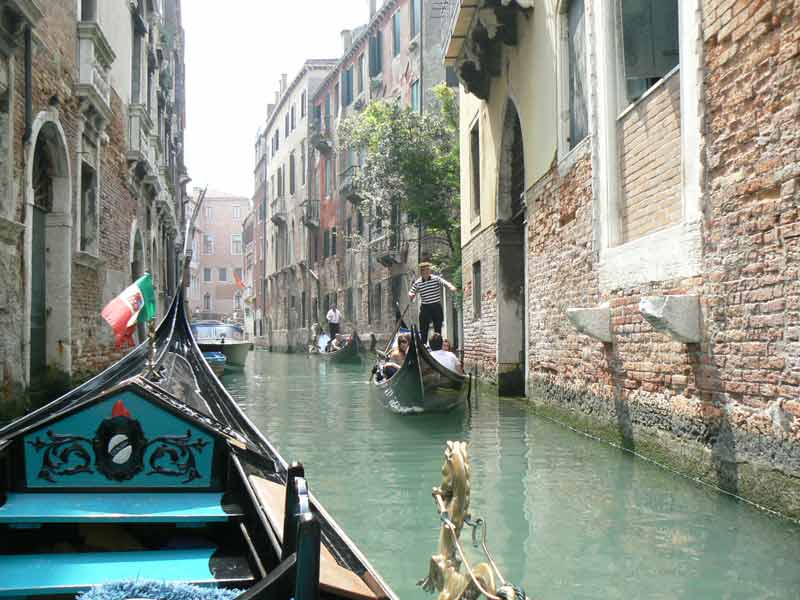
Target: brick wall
[
  {"x": 650, "y": 161},
  {"x": 480, "y": 335}
]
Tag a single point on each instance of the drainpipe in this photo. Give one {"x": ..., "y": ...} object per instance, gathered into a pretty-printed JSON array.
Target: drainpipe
[{"x": 28, "y": 84}]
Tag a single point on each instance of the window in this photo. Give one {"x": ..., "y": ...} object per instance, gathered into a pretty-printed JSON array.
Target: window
[
  {"x": 349, "y": 233},
  {"x": 88, "y": 241},
  {"x": 139, "y": 31},
  {"x": 209, "y": 213},
  {"x": 327, "y": 112},
  {"x": 303, "y": 162},
  {"x": 208, "y": 244},
  {"x": 416, "y": 17},
  {"x": 475, "y": 164},
  {"x": 650, "y": 43},
  {"x": 326, "y": 244},
  {"x": 378, "y": 302},
  {"x": 193, "y": 285},
  {"x": 291, "y": 173},
  {"x": 223, "y": 274},
  {"x": 207, "y": 302},
  {"x": 237, "y": 301},
  {"x": 360, "y": 74},
  {"x": 376, "y": 54},
  {"x": 88, "y": 10},
  {"x": 347, "y": 87},
  {"x": 336, "y": 101},
  {"x": 415, "y": 97},
  {"x": 293, "y": 119},
  {"x": 236, "y": 244},
  {"x": 476, "y": 290},
  {"x": 576, "y": 57},
  {"x": 286, "y": 125},
  {"x": 348, "y": 305},
  {"x": 328, "y": 176},
  {"x": 396, "y": 33},
  {"x": 303, "y": 103},
  {"x": 360, "y": 221},
  {"x": 206, "y": 275},
  {"x": 237, "y": 212},
  {"x": 333, "y": 241}
]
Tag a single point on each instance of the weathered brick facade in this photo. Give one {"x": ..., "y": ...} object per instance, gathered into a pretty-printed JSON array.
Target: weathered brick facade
[
  {"x": 89, "y": 199},
  {"x": 724, "y": 408}
]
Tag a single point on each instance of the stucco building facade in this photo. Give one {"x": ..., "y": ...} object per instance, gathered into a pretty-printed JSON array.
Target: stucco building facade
[
  {"x": 217, "y": 286},
  {"x": 91, "y": 177},
  {"x": 629, "y": 225}
]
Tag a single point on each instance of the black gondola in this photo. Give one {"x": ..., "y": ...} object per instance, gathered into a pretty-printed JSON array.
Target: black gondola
[
  {"x": 151, "y": 470},
  {"x": 351, "y": 352},
  {"x": 421, "y": 384}
]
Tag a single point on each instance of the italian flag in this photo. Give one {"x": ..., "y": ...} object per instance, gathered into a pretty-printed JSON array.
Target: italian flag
[{"x": 136, "y": 304}]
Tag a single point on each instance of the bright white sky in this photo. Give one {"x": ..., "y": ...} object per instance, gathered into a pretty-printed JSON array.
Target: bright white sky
[{"x": 235, "y": 54}]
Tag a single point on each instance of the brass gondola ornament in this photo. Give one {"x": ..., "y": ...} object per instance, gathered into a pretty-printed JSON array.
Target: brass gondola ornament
[{"x": 444, "y": 573}]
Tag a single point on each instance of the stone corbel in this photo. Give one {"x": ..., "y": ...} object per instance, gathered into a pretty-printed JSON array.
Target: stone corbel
[
  {"x": 594, "y": 322},
  {"x": 678, "y": 315}
]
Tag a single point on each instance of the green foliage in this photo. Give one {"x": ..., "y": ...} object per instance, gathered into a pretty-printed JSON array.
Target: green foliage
[{"x": 410, "y": 160}]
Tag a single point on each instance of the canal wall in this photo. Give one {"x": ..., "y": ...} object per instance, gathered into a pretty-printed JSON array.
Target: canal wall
[{"x": 687, "y": 195}]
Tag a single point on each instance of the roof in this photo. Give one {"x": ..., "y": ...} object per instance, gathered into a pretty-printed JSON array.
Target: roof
[{"x": 310, "y": 65}]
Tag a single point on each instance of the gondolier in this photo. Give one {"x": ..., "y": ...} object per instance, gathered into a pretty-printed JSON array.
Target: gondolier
[
  {"x": 334, "y": 317},
  {"x": 429, "y": 288}
]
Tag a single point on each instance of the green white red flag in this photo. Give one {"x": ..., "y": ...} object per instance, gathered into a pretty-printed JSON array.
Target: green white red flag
[{"x": 136, "y": 304}]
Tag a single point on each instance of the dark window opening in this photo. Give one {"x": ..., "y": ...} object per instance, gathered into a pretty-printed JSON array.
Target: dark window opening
[{"x": 476, "y": 290}]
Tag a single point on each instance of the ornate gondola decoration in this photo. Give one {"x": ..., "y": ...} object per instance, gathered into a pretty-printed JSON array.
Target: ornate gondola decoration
[
  {"x": 444, "y": 572},
  {"x": 119, "y": 451}
]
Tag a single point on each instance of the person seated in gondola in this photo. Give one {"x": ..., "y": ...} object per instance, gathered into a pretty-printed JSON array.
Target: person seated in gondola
[
  {"x": 444, "y": 357},
  {"x": 397, "y": 356},
  {"x": 338, "y": 342}
]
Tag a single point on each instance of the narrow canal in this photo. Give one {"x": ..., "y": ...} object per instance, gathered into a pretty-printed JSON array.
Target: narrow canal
[{"x": 568, "y": 517}]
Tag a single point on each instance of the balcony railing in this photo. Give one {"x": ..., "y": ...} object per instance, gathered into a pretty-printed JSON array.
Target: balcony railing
[
  {"x": 95, "y": 58},
  {"x": 388, "y": 245},
  {"x": 311, "y": 212},
  {"x": 140, "y": 149},
  {"x": 346, "y": 189},
  {"x": 278, "y": 207},
  {"x": 321, "y": 138}
]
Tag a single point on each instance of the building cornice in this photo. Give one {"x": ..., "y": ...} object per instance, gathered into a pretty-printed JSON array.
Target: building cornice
[{"x": 309, "y": 65}]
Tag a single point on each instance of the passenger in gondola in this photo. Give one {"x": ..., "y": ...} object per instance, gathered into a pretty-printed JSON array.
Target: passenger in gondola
[
  {"x": 444, "y": 357},
  {"x": 397, "y": 357}
]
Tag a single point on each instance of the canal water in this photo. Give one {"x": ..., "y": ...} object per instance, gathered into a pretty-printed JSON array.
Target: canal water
[{"x": 569, "y": 517}]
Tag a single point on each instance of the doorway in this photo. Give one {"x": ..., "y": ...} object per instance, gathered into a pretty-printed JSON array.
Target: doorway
[{"x": 510, "y": 238}]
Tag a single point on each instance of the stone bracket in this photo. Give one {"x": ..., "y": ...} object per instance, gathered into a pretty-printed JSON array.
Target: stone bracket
[
  {"x": 594, "y": 322},
  {"x": 678, "y": 315}
]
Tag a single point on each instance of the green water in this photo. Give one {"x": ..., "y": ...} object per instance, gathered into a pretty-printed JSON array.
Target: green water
[{"x": 568, "y": 517}]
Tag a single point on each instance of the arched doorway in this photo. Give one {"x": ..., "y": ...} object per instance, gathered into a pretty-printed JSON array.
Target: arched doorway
[
  {"x": 511, "y": 258},
  {"x": 48, "y": 240}
]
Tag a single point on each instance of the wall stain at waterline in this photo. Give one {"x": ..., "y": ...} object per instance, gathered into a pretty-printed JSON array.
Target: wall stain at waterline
[{"x": 706, "y": 445}]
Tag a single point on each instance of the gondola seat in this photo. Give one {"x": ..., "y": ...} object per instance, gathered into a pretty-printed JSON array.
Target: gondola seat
[
  {"x": 121, "y": 507},
  {"x": 70, "y": 573}
]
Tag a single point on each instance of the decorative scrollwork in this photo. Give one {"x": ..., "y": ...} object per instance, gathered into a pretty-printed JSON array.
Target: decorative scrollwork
[
  {"x": 63, "y": 455},
  {"x": 175, "y": 456}
]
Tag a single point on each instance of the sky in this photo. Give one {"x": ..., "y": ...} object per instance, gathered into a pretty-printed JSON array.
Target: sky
[{"x": 235, "y": 53}]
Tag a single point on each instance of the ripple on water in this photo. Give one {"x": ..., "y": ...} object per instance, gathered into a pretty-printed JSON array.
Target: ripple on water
[{"x": 568, "y": 517}]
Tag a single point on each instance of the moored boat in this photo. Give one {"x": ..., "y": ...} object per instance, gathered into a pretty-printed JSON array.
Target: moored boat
[
  {"x": 421, "y": 384},
  {"x": 216, "y": 336},
  {"x": 216, "y": 360},
  {"x": 151, "y": 471}
]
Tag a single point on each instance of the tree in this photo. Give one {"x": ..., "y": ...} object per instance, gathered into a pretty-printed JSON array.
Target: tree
[{"x": 410, "y": 160}]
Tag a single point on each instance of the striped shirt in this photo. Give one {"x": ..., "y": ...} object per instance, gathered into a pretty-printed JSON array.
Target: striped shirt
[{"x": 430, "y": 291}]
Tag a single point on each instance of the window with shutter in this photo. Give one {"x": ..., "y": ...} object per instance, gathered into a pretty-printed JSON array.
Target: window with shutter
[
  {"x": 650, "y": 42},
  {"x": 576, "y": 48}
]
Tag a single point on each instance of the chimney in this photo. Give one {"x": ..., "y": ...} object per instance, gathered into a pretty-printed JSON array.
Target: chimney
[
  {"x": 347, "y": 40},
  {"x": 283, "y": 82},
  {"x": 372, "y": 8}
]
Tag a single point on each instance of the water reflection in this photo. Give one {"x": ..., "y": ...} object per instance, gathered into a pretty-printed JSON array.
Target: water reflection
[{"x": 568, "y": 517}]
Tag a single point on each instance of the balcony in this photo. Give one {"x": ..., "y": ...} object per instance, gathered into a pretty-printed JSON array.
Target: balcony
[
  {"x": 278, "y": 207},
  {"x": 95, "y": 58},
  {"x": 347, "y": 190},
  {"x": 321, "y": 138},
  {"x": 387, "y": 247},
  {"x": 311, "y": 213},
  {"x": 140, "y": 150}
]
